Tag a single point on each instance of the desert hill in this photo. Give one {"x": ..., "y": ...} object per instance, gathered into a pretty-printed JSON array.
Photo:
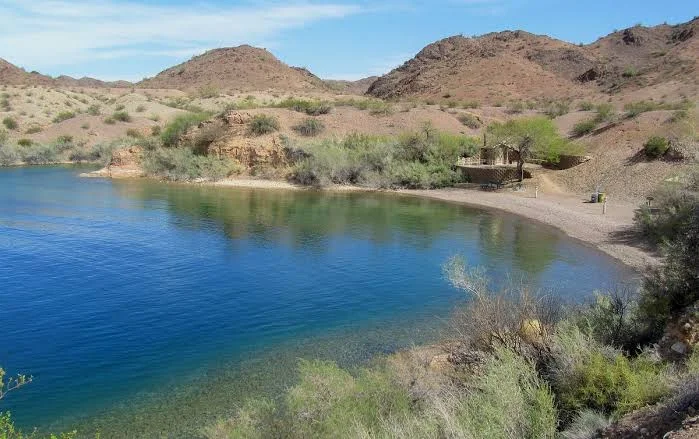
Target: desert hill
[
  {"x": 236, "y": 69},
  {"x": 514, "y": 65},
  {"x": 358, "y": 87},
  {"x": 13, "y": 75}
]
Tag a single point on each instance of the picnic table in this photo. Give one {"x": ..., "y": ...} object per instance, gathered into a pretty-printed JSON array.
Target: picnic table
[{"x": 492, "y": 186}]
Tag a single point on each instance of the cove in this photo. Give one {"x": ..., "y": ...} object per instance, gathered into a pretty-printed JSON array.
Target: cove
[{"x": 147, "y": 309}]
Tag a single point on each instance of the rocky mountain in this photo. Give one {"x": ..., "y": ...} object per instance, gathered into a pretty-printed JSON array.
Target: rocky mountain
[
  {"x": 358, "y": 87},
  {"x": 87, "y": 82},
  {"x": 12, "y": 75},
  {"x": 518, "y": 65},
  {"x": 236, "y": 69}
]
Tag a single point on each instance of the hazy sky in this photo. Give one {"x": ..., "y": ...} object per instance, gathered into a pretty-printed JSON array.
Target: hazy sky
[{"x": 342, "y": 39}]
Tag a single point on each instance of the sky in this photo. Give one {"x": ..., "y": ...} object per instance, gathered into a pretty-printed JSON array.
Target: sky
[{"x": 335, "y": 39}]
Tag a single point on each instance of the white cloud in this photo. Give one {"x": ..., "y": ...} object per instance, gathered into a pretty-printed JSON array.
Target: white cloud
[{"x": 43, "y": 34}]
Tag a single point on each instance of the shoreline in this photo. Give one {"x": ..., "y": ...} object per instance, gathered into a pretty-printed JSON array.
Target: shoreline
[{"x": 569, "y": 213}]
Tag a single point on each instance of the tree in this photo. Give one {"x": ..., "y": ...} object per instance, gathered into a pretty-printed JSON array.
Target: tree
[{"x": 533, "y": 137}]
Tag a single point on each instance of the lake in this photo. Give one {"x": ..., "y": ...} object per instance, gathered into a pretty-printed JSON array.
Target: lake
[{"x": 146, "y": 309}]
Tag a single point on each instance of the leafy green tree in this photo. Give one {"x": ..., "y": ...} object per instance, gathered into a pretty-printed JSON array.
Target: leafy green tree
[{"x": 533, "y": 137}]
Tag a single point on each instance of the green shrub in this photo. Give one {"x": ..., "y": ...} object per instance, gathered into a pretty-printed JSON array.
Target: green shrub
[
  {"x": 110, "y": 120},
  {"x": 132, "y": 132},
  {"x": 656, "y": 147},
  {"x": 65, "y": 138},
  {"x": 515, "y": 107},
  {"x": 263, "y": 124},
  {"x": 605, "y": 113},
  {"x": 140, "y": 109},
  {"x": 588, "y": 375},
  {"x": 586, "y": 106},
  {"x": 208, "y": 91},
  {"x": 557, "y": 109},
  {"x": 24, "y": 142},
  {"x": 668, "y": 289},
  {"x": 183, "y": 164},
  {"x": 9, "y": 123},
  {"x": 94, "y": 110},
  {"x": 179, "y": 125},
  {"x": 63, "y": 115},
  {"x": 121, "y": 116},
  {"x": 630, "y": 72},
  {"x": 470, "y": 104},
  {"x": 33, "y": 129},
  {"x": 470, "y": 121},
  {"x": 309, "y": 127},
  {"x": 584, "y": 127},
  {"x": 155, "y": 130}
]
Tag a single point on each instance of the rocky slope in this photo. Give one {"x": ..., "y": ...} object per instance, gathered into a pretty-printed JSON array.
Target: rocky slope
[
  {"x": 518, "y": 65},
  {"x": 236, "y": 69},
  {"x": 12, "y": 75}
]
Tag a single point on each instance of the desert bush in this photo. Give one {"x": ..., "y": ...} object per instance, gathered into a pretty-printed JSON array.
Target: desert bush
[
  {"x": 179, "y": 125},
  {"x": 94, "y": 110},
  {"x": 33, "y": 129},
  {"x": 630, "y": 72},
  {"x": 668, "y": 289},
  {"x": 119, "y": 107},
  {"x": 588, "y": 375},
  {"x": 10, "y": 123},
  {"x": 507, "y": 400},
  {"x": 63, "y": 115},
  {"x": 140, "y": 109},
  {"x": 3, "y": 137},
  {"x": 121, "y": 116},
  {"x": 515, "y": 107},
  {"x": 182, "y": 164},
  {"x": 24, "y": 142},
  {"x": 132, "y": 132},
  {"x": 557, "y": 109},
  {"x": 208, "y": 91},
  {"x": 612, "y": 319},
  {"x": 64, "y": 139},
  {"x": 85, "y": 126},
  {"x": 263, "y": 124},
  {"x": 586, "y": 106},
  {"x": 310, "y": 107},
  {"x": 110, "y": 120},
  {"x": 605, "y": 113},
  {"x": 584, "y": 127},
  {"x": 424, "y": 159},
  {"x": 309, "y": 127},
  {"x": 156, "y": 131},
  {"x": 470, "y": 121},
  {"x": 586, "y": 425},
  {"x": 470, "y": 104},
  {"x": 513, "y": 317},
  {"x": 656, "y": 147}
]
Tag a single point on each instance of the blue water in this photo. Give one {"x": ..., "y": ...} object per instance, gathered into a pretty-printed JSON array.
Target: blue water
[{"x": 175, "y": 301}]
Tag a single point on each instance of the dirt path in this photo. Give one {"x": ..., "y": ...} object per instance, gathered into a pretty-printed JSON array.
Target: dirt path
[{"x": 571, "y": 214}]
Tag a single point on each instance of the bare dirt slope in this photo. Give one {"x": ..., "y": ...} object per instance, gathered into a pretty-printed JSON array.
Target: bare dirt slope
[{"x": 237, "y": 69}]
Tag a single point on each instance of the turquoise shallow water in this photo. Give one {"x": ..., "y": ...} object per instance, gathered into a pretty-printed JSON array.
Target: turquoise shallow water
[{"x": 145, "y": 309}]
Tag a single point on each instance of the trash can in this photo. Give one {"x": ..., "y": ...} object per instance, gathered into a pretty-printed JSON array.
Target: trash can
[{"x": 601, "y": 197}]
